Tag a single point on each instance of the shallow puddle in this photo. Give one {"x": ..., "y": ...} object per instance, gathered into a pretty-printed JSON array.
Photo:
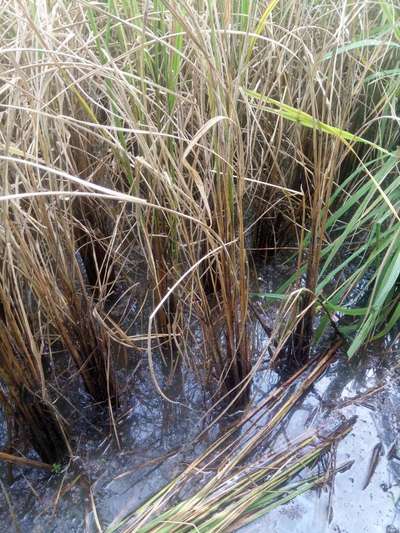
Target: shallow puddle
[
  {"x": 155, "y": 439},
  {"x": 346, "y": 506}
]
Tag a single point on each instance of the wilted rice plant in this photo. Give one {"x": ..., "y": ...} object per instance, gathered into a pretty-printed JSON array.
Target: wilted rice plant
[{"x": 24, "y": 370}]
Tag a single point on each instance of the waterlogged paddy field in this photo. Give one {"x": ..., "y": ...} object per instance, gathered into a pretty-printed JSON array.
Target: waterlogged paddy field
[
  {"x": 346, "y": 506},
  {"x": 104, "y": 480},
  {"x": 152, "y": 434}
]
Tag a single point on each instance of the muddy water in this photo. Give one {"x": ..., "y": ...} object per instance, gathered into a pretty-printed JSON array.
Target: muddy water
[
  {"x": 154, "y": 446},
  {"x": 346, "y": 506}
]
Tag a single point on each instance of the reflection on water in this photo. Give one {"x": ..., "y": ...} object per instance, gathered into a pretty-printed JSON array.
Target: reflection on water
[
  {"x": 155, "y": 445},
  {"x": 348, "y": 389}
]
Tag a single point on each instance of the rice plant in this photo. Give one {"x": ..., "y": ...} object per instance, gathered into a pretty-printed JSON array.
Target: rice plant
[{"x": 163, "y": 151}]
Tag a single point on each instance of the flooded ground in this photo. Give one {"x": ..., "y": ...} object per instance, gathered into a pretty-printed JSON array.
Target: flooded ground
[
  {"x": 348, "y": 505},
  {"x": 152, "y": 433},
  {"x": 108, "y": 478}
]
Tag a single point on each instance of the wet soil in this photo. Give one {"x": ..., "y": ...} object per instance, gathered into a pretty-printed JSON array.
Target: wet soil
[
  {"x": 363, "y": 499},
  {"x": 108, "y": 477}
]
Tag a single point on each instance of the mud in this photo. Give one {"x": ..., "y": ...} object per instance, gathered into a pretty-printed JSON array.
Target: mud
[{"x": 108, "y": 476}]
